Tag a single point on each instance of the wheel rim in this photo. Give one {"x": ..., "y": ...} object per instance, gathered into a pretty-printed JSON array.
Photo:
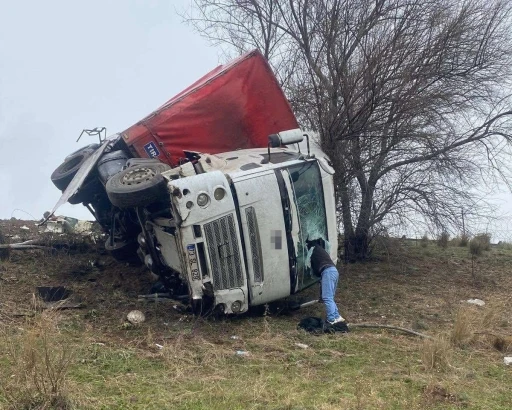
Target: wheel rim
[{"x": 137, "y": 176}]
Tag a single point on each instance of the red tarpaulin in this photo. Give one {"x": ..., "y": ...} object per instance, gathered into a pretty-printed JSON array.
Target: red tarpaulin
[{"x": 235, "y": 106}]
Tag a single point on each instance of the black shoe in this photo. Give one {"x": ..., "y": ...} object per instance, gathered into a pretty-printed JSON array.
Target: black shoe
[{"x": 336, "y": 327}]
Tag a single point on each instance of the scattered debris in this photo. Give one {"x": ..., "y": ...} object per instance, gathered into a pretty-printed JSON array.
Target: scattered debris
[
  {"x": 301, "y": 345},
  {"x": 57, "y": 226},
  {"x": 84, "y": 227},
  {"x": 235, "y": 337},
  {"x": 477, "y": 302},
  {"x": 66, "y": 225},
  {"x": 160, "y": 347},
  {"x": 25, "y": 228},
  {"x": 135, "y": 317},
  {"x": 242, "y": 353},
  {"x": 507, "y": 360}
]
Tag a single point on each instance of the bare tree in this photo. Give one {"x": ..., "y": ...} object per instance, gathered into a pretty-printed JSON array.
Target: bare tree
[{"x": 409, "y": 97}]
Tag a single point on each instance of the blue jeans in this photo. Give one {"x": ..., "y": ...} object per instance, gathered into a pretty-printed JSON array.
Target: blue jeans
[{"x": 329, "y": 284}]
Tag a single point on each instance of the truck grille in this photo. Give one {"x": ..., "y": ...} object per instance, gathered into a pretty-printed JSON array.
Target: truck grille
[
  {"x": 254, "y": 238},
  {"x": 224, "y": 253}
]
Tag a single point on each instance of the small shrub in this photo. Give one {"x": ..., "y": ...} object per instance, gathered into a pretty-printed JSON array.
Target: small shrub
[
  {"x": 479, "y": 244},
  {"x": 436, "y": 353},
  {"x": 442, "y": 240},
  {"x": 475, "y": 247},
  {"x": 424, "y": 241},
  {"x": 464, "y": 240},
  {"x": 461, "y": 333},
  {"x": 485, "y": 240}
]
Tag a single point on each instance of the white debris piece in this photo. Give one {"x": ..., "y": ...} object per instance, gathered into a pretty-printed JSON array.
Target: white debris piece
[
  {"x": 160, "y": 347},
  {"x": 25, "y": 228},
  {"x": 83, "y": 227},
  {"x": 242, "y": 353},
  {"x": 477, "y": 302},
  {"x": 301, "y": 345},
  {"x": 135, "y": 317},
  {"x": 507, "y": 360},
  {"x": 58, "y": 226},
  {"x": 66, "y": 224}
]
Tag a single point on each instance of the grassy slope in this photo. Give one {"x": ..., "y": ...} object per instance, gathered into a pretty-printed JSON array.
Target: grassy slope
[{"x": 113, "y": 365}]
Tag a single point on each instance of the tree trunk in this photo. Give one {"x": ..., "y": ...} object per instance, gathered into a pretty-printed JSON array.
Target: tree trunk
[
  {"x": 357, "y": 247},
  {"x": 357, "y": 243}
]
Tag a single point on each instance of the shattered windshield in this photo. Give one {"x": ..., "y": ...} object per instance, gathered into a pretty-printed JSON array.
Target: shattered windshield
[{"x": 309, "y": 199}]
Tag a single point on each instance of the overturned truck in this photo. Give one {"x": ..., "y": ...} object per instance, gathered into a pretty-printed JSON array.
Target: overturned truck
[{"x": 212, "y": 192}]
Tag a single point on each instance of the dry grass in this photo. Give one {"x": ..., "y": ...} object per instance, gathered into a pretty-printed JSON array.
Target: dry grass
[
  {"x": 463, "y": 331},
  {"x": 436, "y": 354},
  {"x": 40, "y": 359},
  {"x": 119, "y": 366}
]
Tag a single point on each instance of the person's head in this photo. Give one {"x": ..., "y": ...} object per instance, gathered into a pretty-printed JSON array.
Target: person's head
[{"x": 314, "y": 242}]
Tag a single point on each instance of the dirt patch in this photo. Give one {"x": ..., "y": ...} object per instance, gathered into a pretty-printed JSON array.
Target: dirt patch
[{"x": 438, "y": 394}]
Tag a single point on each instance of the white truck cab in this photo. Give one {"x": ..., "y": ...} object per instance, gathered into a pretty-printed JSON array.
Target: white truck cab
[{"x": 239, "y": 225}]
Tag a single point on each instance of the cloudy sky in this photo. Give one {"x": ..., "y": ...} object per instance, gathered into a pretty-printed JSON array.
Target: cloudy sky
[{"x": 68, "y": 65}]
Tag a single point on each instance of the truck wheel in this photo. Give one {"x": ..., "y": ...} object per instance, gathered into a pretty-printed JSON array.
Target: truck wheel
[
  {"x": 139, "y": 185},
  {"x": 88, "y": 148},
  {"x": 66, "y": 171}
]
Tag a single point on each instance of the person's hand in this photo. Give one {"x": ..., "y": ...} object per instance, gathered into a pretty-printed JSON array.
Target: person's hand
[{"x": 315, "y": 242}]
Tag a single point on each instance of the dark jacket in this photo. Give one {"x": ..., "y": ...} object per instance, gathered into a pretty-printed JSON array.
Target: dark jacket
[{"x": 320, "y": 260}]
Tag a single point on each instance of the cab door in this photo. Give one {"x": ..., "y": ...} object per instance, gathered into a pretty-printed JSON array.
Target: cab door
[
  {"x": 264, "y": 233},
  {"x": 308, "y": 205}
]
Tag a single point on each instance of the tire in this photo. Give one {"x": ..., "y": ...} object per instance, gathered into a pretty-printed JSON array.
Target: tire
[
  {"x": 139, "y": 185},
  {"x": 66, "y": 171},
  {"x": 88, "y": 148}
]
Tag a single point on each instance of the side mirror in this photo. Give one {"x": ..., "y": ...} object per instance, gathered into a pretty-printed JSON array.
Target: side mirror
[{"x": 285, "y": 137}]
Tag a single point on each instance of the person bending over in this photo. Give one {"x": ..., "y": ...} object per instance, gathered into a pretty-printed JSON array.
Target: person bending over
[{"x": 323, "y": 266}]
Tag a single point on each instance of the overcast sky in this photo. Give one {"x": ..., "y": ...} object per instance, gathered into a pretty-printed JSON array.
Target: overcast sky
[{"x": 69, "y": 65}]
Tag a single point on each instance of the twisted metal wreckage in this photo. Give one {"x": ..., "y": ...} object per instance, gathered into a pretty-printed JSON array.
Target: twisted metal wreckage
[{"x": 211, "y": 191}]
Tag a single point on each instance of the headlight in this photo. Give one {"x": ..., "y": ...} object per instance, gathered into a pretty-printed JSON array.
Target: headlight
[
  {"x": 219, "y": 193},
  {"x": 203, "y": 200},
  {"x": 236, "y": 306}
]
